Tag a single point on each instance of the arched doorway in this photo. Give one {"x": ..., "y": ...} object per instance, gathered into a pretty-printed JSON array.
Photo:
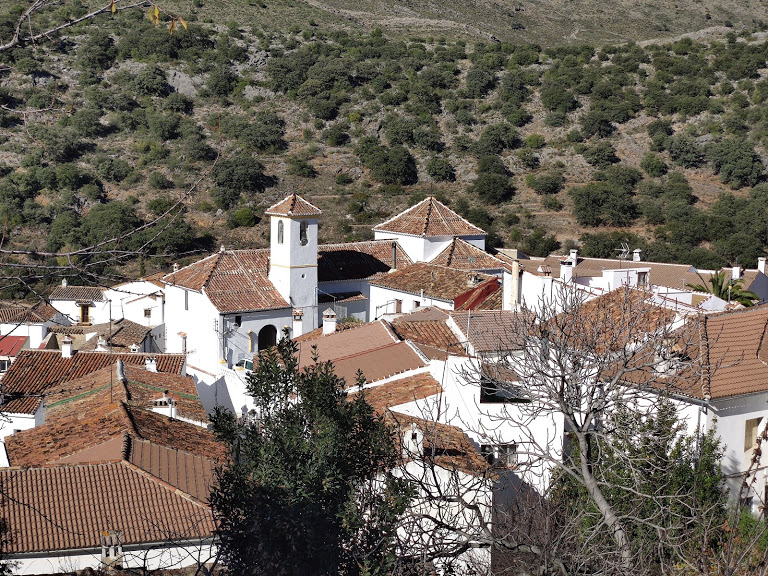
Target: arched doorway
[{"x": 267, "y": 337}]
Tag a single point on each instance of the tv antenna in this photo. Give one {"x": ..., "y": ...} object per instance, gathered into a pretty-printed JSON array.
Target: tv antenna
[{"x": 623, "y": 251}]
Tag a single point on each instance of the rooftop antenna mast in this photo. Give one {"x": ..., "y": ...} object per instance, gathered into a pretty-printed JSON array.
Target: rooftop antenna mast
[{"x": 624, "y": 252}]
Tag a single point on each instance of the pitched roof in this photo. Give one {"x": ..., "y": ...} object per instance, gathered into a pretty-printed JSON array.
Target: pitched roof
[
  {"x": 358, "y": 260},
  {"x": 463, "y": 255},
  {"x": 371, "y": 348},
  {"x": 119, "y": 334},
  {"x": 293, "y": 205},
  {"x": 430, "y": 217},
  {"x": 190, "y": 473},
  {"x": 491, "y": 330},
  {"x": 10, "y": 345},
  {"x": 233, "y": 280},
  {"x": 22, "y": 314},
  {"x": 68, "y": 507},
  {"x": 437, "y": 282},
  {"x": 34, "y": 371},
  {"x": 400, "y": 391},
  {"x": 432, "y": 333},
  {"x": 78, "y": 293},
  {"x": 88, "y": 418}
]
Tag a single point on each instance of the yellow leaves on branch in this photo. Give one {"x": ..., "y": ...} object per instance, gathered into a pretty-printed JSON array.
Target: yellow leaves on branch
[{"x": 154, "y": 13}]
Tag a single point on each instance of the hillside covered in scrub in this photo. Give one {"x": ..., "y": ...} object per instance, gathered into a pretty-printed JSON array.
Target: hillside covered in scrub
[{"x": 106, "y": 126}]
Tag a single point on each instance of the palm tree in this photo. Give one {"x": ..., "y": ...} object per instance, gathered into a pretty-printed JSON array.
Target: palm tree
[{"x": 732, "y": 291}]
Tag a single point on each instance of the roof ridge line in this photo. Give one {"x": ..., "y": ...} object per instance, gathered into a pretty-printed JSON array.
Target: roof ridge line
[
  {"x": 430, "y": 199},
  {"x": 151, "y": 477}
]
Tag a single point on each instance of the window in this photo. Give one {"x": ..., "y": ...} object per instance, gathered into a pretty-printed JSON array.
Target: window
[
  {"x": 280, "y": 227},
  {"x": 398, "y": 306},
  {"x": 750, "y": 433},
  {"x": 85, "y": 317},
  {"x": 416, "y": 303},
  {"x": 303, "y": 233},
  {"x": 4, "y": 365},
  {"x": 147, "y": 312},
  {"x": 267, "y": 337},
  {"x": 239, "y": 320},
  {"x": 642, "y": 278}
]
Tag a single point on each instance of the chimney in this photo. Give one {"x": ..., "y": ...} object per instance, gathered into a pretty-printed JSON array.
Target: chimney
[
  {"x": 637, "y": 255},
  {"x": 413, "y": 441},
  {"x": 566, "y": 270},
  {"x": 66, "y": 347},
  {"x": 150, "y": 364},
  {"x": 573, "y": 256},
  {"x": 329, "y": 321},
  {"x": 64, "y": 283},
  {"x": 222, "y": 249},
  {"x": 166, "y": 404},
  {"x": 101, "y": 345},
  {"x": 515, "y": 286},
  {"x": 175, "y": 267},
  {"x": 298, "y": 322},
  {"x": 761, "y": 265},
  {"x": 736, "y": 272}
]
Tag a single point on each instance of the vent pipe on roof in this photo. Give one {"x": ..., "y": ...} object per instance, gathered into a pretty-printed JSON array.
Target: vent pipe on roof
[
  {"x": 413, "y": 441},
  {"x": 736, "y": 272},
  {"x": 637, "y": 255},
  {"x": 175, "y": 267},
  {"x": 761, "y": 265},
  {"x": 121, "y": 371},
  {"x": 150, "y": 364},
  {"x": 298, "y": 322},
  {"x": 66, "y": 347},
  {"x": 101, "y": 345},
  {"x": 64, "y": 282},
  {"x": 394, "y": 255}
]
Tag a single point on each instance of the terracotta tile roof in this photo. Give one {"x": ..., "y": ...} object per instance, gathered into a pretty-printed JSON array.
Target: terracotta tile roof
[
  {"x": 372, "y": 348},
  {"x": 358, "y": 260},
  {"x": 341, "y": 297},
  {"x": 233, "y": 280},
  {"x": 68, "y": 507},
  {"x": 445, "y": 445},
  {"x": 34, "y": 371},
  {"x": 293, "y": 205},
  {"x": 39, "y": 313},
  {"x": 437, "y": 282},
  {"x": 144, "y": 387},
  {"x": 10, "y": 345},
  {"x": 430, "y": 217},
  {"x": 491, "y": 330},
  {"x": 119, "y": 334},
  {"x": 190, "y": 473},
  {"x": 78, "y": 293},
  {"x": 432, "y": 333},
  {"x": 28, "y": 405},
  {"x": 401, "y": 391},
  {"x": 462, "y": 255},
  {"x": 493, "y": 302},
  {"x": 86, "y": 417},
  {"x": 425, "y": 314}
]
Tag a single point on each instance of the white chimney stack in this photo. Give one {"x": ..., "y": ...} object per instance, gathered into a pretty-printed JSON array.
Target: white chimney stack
[
  {"x": 573, "y": 255},
  {"x": 736, "y": 272},
  {"x": 64, "y": 282},
  {"x": 298, "y": 323},
  {"x": 66, "y": 347},
  {"x": 101, "y": 345},
  {"x": 637, "y": 255},
  {"x": 329, "y": 321},
  {"x": 761, "y": 265},
  {"x": 150, "y": 364},
  {"x": 175, "y": 267}
]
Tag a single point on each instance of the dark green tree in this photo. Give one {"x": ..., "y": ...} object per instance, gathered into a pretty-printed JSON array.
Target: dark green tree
[
  {"x": 308, "y": 489},
  {"x": 730, "y": 290}
]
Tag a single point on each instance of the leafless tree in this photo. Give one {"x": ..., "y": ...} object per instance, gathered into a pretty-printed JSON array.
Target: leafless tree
[{"x": 605, "y": 477}]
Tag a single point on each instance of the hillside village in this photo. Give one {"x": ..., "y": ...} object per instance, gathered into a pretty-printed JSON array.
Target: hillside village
[{"x": 106, "y": 454}]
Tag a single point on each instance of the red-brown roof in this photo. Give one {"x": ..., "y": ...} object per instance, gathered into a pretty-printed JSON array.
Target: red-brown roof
[
  {"x": 68, "y": 507},
  {"x": 436, "y": 282},
  {"x": 190, "y": 473},
  {"x": 293, "y": 206},
  {"x": 34, "y": 371},
  {"x": 463, "y": 255},
  {"x": 78, "y": 293},
  {"x": 400, "y": 391},
  {"x": 359, "y": 260},
  {"x": 433, "y": 333},
  {"x": 371, "y": 347},
  {"x": 22, "y": 314},
  {"x": 491, "y": 330},
  {"x": 430, "y": 217},
  {"x": 233, "y": 280},
  {"x": 85, "y": 418},
  {"x": 119, "y": 334},
  {"x": 10, "y": 345}
]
